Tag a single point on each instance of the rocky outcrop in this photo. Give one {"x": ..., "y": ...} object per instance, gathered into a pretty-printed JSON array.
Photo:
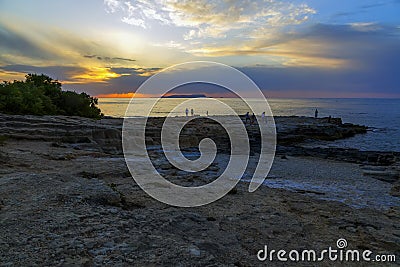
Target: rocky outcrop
[
  {"x": 105, "y": 135},
  {"x": 295, "y": 130},
  {"x": 291, "y": 130},
  {"x": 79, "y": 133}
]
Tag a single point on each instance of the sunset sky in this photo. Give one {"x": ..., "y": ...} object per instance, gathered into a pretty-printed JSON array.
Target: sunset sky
[{"x": 310, "y": 48}]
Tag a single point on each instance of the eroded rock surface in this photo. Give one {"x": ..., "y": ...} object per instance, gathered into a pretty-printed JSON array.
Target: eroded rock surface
[
  {"x": 105, "y": 134},
  {"x": 60, "y": 206},
  {"x": 67, "y": 198}
]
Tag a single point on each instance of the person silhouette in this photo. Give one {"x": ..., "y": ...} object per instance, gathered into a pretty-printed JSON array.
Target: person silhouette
[
  {"x": 253, "y": 119},
  {"x": 192, "y": 112},
  {"x": 316, "y": 113},
  {"x": 263, "y": 118},
  {"x": 187, "y": 112},
  {"x": 247, "y": 117}
]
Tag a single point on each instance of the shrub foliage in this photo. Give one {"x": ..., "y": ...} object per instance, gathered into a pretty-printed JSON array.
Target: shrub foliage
[{"x": 41, "y": 95}]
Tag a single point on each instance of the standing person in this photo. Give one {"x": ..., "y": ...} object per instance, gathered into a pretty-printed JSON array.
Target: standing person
[
  {"x": 253, "y": 119},
  {"x": 207, "y": 113},
  {"x": 316, "y": 113},
  {"x": 187, "y": 112},
  {"x": 192, "y": 112},
  {"x": 263, "y": 118},
  {"x": 247, "y": 116}
]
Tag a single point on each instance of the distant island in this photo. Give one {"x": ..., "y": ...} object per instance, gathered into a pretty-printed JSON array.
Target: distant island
[{"x": 185, "y": 96}]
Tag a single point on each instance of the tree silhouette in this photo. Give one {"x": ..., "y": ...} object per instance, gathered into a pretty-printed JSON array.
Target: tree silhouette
[{"x": 41, "y": 95}]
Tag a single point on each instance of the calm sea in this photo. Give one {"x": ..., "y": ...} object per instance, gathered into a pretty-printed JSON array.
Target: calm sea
[{"x": 381, "y": 115}]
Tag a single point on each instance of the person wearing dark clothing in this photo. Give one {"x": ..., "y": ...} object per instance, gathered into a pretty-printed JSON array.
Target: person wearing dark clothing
[
  {"x": 316, "y": 113},
  {"x": 247, "y": 117},
  {"x": 253, "y": 119}
]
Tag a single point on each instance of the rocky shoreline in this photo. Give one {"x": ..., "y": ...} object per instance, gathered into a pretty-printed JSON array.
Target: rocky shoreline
[
  {"x": 67, "y": 198},
  {"x": 294, "y": 136},
  {"x": 105, "y": 134}
]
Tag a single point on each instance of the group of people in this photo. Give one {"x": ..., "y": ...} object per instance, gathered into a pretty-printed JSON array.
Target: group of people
[
  {"x": 252, "y": 119},
  {"x": 187, "y": 112},
  {"x": 192, "y": 112}
]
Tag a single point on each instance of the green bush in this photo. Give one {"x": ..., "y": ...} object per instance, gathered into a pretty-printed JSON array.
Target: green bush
[{"x": 41, "y": 95}]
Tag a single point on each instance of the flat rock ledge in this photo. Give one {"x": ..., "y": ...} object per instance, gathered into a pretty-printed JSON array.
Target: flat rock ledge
[{"x": 105, "y": 134}]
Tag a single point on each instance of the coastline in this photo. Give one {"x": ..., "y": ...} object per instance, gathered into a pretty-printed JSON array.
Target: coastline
[
  {"x": 380, "y": 115},
  {"x": 68, "y": 198}
]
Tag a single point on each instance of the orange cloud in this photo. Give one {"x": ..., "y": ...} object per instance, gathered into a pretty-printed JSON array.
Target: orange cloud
[{"x": 97, "y": 74}]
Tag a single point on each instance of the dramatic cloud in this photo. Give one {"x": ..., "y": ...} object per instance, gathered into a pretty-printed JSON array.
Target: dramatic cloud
[
  {"x": 40, "y": 46},
  {"x": 288, "y": 47},
  {"x": 357, "y": 62},
  {"x": 212, "y": 19},
  {"x": 66, "y": 56},
  {"x": 363, "y": 63},
  {"x": 320, "y": 45},
  {"x": 95, "y": 81}
]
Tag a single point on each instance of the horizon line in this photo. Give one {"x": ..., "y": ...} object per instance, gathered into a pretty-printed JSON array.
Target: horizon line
[{"x": 134, "y": 95}]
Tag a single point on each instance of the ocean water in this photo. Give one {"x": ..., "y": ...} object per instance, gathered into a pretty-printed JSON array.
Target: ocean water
[{"x": 381, "y": 115}]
